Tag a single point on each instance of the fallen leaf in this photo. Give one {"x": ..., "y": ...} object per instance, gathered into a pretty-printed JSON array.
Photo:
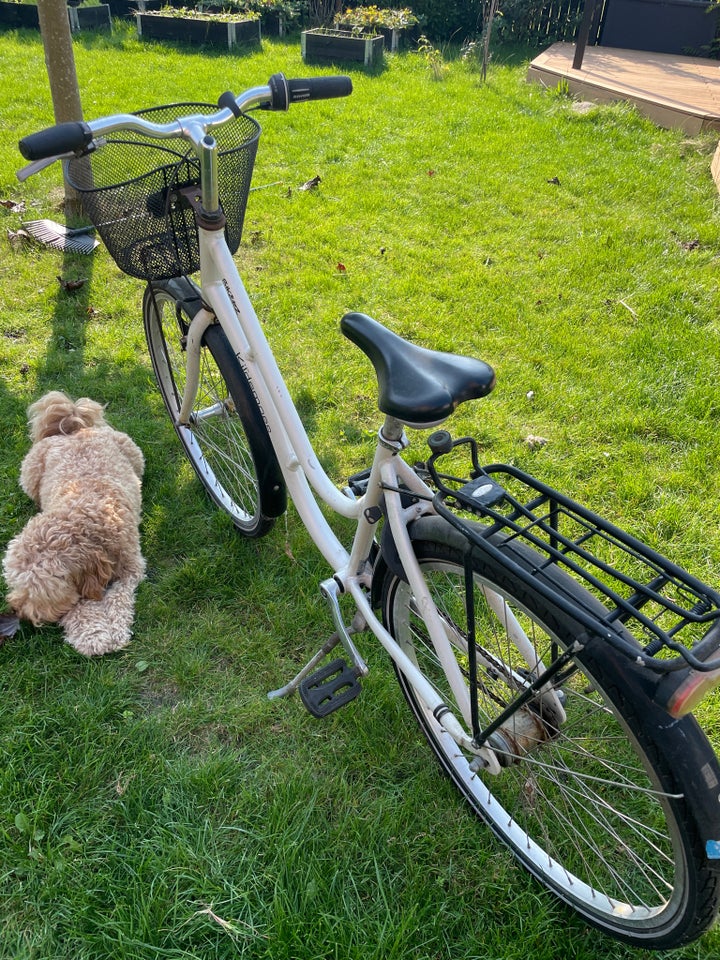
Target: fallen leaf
[
  {"x": 431, "y": 173},
  {"x": 310, "y": 184},
  {"x": 17, "y": 236},
  {"x": 123, "y": 782},
  {"x": 341, "y": 268},
  {"x": 529, "y": 791},
  {"x": 14, "y": 206},
  {"x": 71, "y": 285}
]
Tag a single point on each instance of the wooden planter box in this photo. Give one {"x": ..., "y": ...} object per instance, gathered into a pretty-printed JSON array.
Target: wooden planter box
[
  {"x": 339, "y": 45},
  {"x": 19, "y": 15},
  {"x": 664, "y": 26},
  {"x": 198, "y": 31},
  {"x": 90, "y": 18}
]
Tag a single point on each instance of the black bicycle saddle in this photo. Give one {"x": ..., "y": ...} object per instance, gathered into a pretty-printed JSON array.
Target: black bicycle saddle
[{"x": 419, "y": 387}]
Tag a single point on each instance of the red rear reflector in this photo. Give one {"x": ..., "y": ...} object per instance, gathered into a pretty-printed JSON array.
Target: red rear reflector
[{"x": 691, "y": 691}]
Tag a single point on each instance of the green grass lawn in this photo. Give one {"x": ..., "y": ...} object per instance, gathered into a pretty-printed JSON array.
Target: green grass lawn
[{"x": 155, "y": 804}]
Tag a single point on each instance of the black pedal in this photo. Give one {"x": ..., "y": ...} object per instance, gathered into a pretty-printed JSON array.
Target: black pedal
[{"x": 329, "y": 688}]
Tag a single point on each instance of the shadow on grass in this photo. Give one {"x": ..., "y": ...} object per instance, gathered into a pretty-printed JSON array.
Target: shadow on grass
[{"x": 64, "y": 360}]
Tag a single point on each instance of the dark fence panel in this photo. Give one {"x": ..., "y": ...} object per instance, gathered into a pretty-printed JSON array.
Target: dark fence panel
[
  {"x": 544, "y": 21},
  {"x": 525, "y": 21}
]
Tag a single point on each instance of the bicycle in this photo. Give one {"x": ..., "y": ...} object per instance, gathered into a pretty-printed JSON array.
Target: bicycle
[{"x": 551, "y": 659}]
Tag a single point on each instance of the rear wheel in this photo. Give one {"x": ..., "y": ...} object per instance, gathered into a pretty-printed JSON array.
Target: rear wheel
[
  {"x": 225, "y": 439},
  {"x": 593, "y": 796}
]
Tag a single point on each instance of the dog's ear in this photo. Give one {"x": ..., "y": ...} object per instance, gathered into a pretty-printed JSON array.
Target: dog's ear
[
  {"x": 96, "y": 576},
  {"x": 45, "y": 415},
  {"x": 41, "y": 600}
]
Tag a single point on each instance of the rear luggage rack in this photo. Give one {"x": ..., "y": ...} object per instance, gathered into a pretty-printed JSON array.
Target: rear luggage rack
[{"x": 669, "y": 613}]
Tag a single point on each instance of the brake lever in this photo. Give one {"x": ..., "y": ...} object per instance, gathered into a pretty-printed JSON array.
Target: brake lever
[
  {"x": 36, "y": 166},
  {"x": 30, "y": 169}
]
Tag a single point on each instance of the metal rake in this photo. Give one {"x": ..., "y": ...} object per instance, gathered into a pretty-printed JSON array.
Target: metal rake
[{"x": 55, "y": 235}]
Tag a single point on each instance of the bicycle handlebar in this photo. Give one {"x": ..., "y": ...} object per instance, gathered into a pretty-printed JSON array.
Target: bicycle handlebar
[{"x": 75, "y": 137}]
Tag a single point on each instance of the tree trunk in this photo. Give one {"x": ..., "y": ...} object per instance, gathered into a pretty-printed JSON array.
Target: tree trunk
[{"x": 60, "y": 63}]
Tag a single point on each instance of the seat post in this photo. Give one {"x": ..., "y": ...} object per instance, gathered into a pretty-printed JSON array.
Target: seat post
[{"x": 392, "y": 434}]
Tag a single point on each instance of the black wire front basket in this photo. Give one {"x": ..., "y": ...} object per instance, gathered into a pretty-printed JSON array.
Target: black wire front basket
[{"x": 134, "y": 190}]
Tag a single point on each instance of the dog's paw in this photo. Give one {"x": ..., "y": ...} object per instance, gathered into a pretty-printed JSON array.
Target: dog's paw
[
  {"x": 97, "y": 627},
  {"x": 94, "y": 641}
]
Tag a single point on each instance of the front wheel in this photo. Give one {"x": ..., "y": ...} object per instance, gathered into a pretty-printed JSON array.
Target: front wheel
[
  {"x": 225, "y": 439},
  {"x": 595, "y": 799}
]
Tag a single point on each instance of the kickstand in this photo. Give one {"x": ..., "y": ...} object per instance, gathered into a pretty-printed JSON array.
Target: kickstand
[
  {"x": 292, "y": 686},
  {"x": 331, "y": 686}
]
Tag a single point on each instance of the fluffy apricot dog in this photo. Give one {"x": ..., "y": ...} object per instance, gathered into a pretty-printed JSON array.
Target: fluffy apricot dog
[{"x": 78, "y": 562}]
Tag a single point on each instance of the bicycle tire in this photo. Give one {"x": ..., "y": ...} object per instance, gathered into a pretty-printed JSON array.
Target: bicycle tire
[
  {"x": 226, "y": 440},
  {"x": 613, "y": 811}
]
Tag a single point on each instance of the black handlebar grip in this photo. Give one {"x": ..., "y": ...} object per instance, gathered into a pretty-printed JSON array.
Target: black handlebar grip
[
  {"x": 319, "y": 88},
  {"x": 54, "y": 141},
  {"x": 284, "y": 91}
]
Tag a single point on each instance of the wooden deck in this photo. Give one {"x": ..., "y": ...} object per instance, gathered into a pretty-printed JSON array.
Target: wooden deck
[{"x": 673, "y": 91}]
